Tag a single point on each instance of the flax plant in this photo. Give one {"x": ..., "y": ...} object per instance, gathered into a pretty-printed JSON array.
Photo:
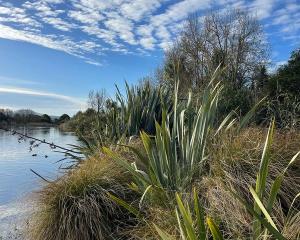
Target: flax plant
[
  {"x": 177, "y": 151},
  {"x": 192, "y": 224},
  {"x": 140, "y": 106},
  {"x": 193, "y": 227},
  {"x": 263, "y": 202}
]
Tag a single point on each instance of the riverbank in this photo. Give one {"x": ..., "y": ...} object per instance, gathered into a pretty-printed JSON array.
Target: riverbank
[
  {"x": 30, "y": 124},
  {"x": 15, "y": 219},
  {"x": 18, "y": 185},
  {"x": 156, "y": 172},
  {"x": 79, "y": 205},
  {"x": 156, "y": 167}
]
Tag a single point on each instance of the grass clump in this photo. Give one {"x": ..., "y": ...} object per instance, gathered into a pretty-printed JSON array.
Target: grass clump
[
  {"x": 77, "y": 205},
  {"x": 237, "y": 174}
]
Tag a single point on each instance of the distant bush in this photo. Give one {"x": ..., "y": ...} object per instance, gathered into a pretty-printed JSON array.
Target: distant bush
[{"x": 124, "y": 116}]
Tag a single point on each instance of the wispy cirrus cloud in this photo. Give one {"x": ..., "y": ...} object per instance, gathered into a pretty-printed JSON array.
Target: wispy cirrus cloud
[
  {"x": 39, "y": 101},
  {"x": 32, "y": 92},
  {"x": 90, "y": 29},
  {"x": 56, "y": 42},
  {"x": 4, "y": 80}
]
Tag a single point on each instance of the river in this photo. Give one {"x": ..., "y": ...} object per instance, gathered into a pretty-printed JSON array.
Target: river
[{"x": 17, "y": 182}]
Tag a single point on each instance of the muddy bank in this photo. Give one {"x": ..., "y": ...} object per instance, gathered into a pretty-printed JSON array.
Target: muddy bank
[{"x": 15, "y": 218}]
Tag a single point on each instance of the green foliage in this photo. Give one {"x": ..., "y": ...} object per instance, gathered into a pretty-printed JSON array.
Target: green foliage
[
  {"x": 192, "y": 224},
  {"x": 283, "y": 90},
  {"x": 46, "y": 118},
  {"x": 123, "y": 117},
  {"x": 23, "y": 116},
  {"x": 287, "y": 78},
  {"x": 141, "y": 107},
  {"x": 238, "y": 99},
  {"x": 177, "y": 152},
  {"x": 195, "y": 229},
  {"x": 264, "y": 223},
  {"x": 165, "y": 169},
  {"x": 63, "y": 118},
  {"x": 262, "y": 177},
  {"x": 78, "y": 206}
]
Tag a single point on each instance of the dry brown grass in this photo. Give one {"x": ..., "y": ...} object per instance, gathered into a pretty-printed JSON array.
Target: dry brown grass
[
  {"x": 234, "y": 161},
  {"x": 77, "y": 205}
]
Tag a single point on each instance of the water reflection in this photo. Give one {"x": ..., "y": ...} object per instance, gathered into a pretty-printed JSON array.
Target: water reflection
[{"x": 16, "y": 179}]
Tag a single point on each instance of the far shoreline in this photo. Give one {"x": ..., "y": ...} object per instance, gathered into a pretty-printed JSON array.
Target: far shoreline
[{"x": 30, "y": 124}]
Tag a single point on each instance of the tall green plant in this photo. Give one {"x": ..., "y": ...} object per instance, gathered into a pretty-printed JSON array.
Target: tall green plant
[
  {"x": 262, "y": 220},
  {"x": 263, "y": 223},
  {"x": 178, "y": 149},
  {"x": 192, "y": 224},
  {"x": 141, "y": 106},
  {"x": 127, "y": 115}
]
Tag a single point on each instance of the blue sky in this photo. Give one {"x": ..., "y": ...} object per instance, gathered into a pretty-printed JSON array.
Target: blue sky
[{"x": 52, "y": 52}]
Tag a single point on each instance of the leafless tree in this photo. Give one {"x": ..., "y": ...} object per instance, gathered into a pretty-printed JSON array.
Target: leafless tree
[
  {"x": 234, "y": 39},
  {"x": 97, "y": 100}
]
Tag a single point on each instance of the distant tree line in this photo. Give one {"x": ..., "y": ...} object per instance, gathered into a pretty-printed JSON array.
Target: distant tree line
[{"x": 24, "y": 116}]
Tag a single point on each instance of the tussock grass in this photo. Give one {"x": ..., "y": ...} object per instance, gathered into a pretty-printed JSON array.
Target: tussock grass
[
  {"x": 77, "y": 205},
  {"x": 234, "y": 160}
]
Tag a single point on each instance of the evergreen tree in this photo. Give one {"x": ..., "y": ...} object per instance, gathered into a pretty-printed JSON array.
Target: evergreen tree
[{"x": 287, "y": 78}]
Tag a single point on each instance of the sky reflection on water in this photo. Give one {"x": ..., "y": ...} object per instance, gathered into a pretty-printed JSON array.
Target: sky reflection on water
[{"x": 16, "y": 179}]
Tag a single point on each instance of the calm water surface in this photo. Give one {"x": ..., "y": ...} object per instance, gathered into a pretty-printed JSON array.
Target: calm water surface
[{"x": 16, "y": 179}]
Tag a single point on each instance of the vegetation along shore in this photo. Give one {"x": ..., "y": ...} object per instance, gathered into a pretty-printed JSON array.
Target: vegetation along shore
[
  {"x": 9, "y": 117},
  {"x": 205, "y": 148}
]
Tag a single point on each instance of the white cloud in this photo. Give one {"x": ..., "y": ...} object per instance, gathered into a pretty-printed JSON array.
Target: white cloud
[
  {"x": 138, "y": 9},
  {"x": 87, "y": 17},
  {"x": 171, "y": 17},
  {"x": 50, "y": 41},
  {"x": 17, "y": 15},
  {"x": 93, "y": 4},
  {"x": 59, "y": 23},
  {"x": 39, "y": 101},
  {"x": 86, "y": 27},
  {"x": 54, "y": 1},
  {"x": 263, "y": 8},
  {"x": 145, "y": 30},
  {"x": 148, "y": 42},
  {"x": 163, "y": 33},
  {"x": 179, "y": 11},
  {"x": 32, "y": 92},
  {"x": 94, "y": 63},
  {"x": 9, "y": 80},
  {"x": 43, "y": 9},
  {"x": 123, "y": 27}
]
